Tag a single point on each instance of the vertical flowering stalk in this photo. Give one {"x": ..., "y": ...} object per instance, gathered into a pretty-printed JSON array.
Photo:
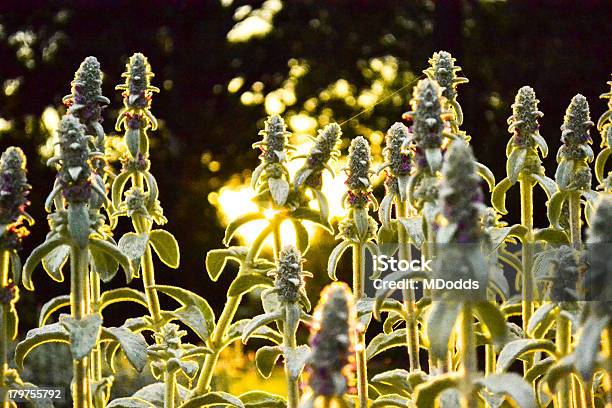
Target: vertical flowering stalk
[
  {"x": 574, "y": 180},
  {"x": 398, "y": 164},
  {"x": 604, "y": 125},
  {"x": 330, "y": 362},
  {"x": 86, "y": 103},
  {"x": 525, "y": 167},
  {"x": 443, "y": 70},
  {"x": 14, "y": 190},
  {"x": 358, "y": 230},
  {"x": 140, "y": 202}
]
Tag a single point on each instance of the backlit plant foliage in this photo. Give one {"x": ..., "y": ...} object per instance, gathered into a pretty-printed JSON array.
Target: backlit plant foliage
[{"x": 540, "y": 340}]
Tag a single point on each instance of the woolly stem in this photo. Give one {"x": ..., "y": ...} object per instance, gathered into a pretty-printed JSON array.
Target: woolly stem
[
  {"x": 79, "y": 294},
  {"x": 215, "y": 343},
  {"x": 170, "y": 385},
  {"x": 96, "y": 354},
  {"x": 412, "y": 334},
  {"x": 4, "y": 337},
  {"x": 527, "y": 284},
  {"x": 490, "y": 359},
  {"x": 563, "y": 340},
  {"x": 360, "y": 349},
  {"x": 289, "y": 341},
  {"x": 468, "y": 356}
]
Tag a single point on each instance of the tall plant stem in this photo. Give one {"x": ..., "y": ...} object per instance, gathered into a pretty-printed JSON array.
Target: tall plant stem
[
  {"x": 563, "y": 339},
  {"x": 96, "y": 354},
  {"x": 170, "y": 385},
  {"x": 490, "y": 359},
  {"x": 412, "y": 334},
  {"x": 228, "y": 313},
  {"x": 79, "y": 294},
  {"x": 606, "y": 346},
  {"x": 468, "y": 356},
  {"x": 289, "y": 340},
  {"x": 359, "y": 293},
  {"x": 527, "y": 284},
  {"x": 4, "y": 335},
  {"x": 142, "y": 225}
]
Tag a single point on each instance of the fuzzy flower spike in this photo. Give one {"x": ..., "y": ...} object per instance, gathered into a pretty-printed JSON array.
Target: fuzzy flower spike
[
  {"x": 326, "y": 150},
  {"x": 358, "y": 197},
  {"x": 271, "y": 177},
  {"x": 398, "y": 164},
  {"x": 443, "y": 70},
  {"x": 136, "y": 115},
  {"x": 14, "y": 190},
  {"x": 330, "y": 364}
]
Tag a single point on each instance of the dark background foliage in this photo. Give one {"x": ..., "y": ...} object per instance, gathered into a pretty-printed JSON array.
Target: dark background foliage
[{"x": 558, "y": 47}]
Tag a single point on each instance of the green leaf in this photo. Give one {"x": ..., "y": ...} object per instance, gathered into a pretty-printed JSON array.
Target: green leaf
[
  {"x": 498, "y": 196},
  {"x": 555, "y": 205},
  {"x": 414, "y": 229},
  {"x": 392, "y": 400},
  {"x": 295, "y": 359},
  {"x": 213, "y": 398},
  {"x": 387, "y": 239},
  {"x": 133, "y": 345},
  {"x": 263, "y": 332},
  {"x": 427, "y": 393},
  {"x": 266, "y": 358},
  {"x": 84, "y": 333},
  {"x": 390, "y": 322},
  {"x": 132, "y": 141},
  {"x": 217, "y": 258},
  {"x": 562, "y": 368},
  {"x": 384, "y": 210},
  {"x": 36, "y": 337},
  {"x": 334, "y": 258},
  {"x": 486, "y": 174},
  {"x": 382, "y": 342},
  {"x": 121, "y": 295},
  {"x": 551, "y": 235},
  {"x": 130, "y": 402},
  {"x": 118, "y": 186},
  {"x": 519, "y": 348},
  {"x": 588, "y": 347},
  {"x": 515, "y": 164},
  {"x": 166, "y": 247},
  {"x": 261, "y": 399},
  {"x": 134, "y": 245},
  {"x": 113, "y": 250},
  {"x": 308, "y": 214},
  {"x": 538, "y": 369},
  {"x": 233, "y": 226},
  {"x": 51, "y": 307},
  {"x": 246, "y": 282},
  {"x": 195, "y": 311},
  {"x": 301, "y": 236},
  {"x": 154, "y": 393},
  {"x": 489, "y": 314},
  {"x": 600, "y": 164},
  {"x": 548, "y": 185},
  {"x": 323, "y": 204},
  {"x": 360, "y": 216},
  {"x": 103, "y": 264},
  {"x": 55, "y": 260},
  {"x": 440, "y": 325},
  {"x": 513, "y": 386},
  {"x": 279, "y": 190},
  {"x": 259, "y": 321},
  {"x": 36, "y": 257},
  {"x": 542, "y": 320},
  {"x": 564, "y": 172},
  {"x": 396, "y": 379}
]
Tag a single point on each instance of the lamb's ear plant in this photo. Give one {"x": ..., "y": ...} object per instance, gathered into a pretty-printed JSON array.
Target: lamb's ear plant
[
  {"x": 358, "y": 231},
  {"x": 77, "y": 232},
  {"x": 280, "y": 199},
  {"x": 604, "y": 125},
  {"x": 330, "y": 364},
  {"x": 286, "y": 304},
  {"x": 461, "y": 233},
  {"x": 524, "y": 166},
  {"x": 14, "y": 190}
]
